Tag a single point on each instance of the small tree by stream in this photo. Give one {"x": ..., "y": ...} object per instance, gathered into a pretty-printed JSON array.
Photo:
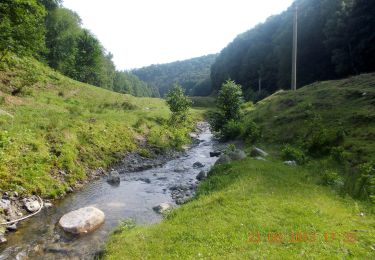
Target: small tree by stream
[{"x": 179, "y": 105}]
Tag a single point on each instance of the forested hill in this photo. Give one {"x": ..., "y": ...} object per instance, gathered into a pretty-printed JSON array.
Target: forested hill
[
  {"x": 193, "y": 75},
  {"x": 54, "y": 35},
  {"x": 336, "y": 39}
]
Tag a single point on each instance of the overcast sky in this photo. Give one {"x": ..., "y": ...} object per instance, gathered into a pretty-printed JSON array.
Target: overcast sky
[{"x": 145, "y": 32}]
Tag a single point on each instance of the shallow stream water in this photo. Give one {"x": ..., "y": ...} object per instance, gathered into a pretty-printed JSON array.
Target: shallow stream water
[{"x": 41, "y": 238}]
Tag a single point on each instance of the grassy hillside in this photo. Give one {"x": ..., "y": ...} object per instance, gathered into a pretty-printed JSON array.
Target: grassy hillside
[
  {"x": 55, "y": 131},
  {"x": 293, "y": 216},
  {"x": 331, "y": 120}
]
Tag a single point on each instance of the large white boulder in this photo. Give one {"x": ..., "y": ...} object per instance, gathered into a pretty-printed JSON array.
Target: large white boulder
[{"x": 83, "y": 220}]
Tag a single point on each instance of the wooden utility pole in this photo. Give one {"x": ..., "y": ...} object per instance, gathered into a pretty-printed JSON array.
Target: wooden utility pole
[
  {"x": 259, "y": 81},
  {"x": 294, "y": 52}
]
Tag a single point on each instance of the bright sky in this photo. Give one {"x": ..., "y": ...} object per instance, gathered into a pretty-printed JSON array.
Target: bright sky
[{"x": 145, "y": 32}]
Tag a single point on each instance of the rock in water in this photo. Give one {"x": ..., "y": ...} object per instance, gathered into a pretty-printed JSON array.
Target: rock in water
[
  {"x": 113, "y": 177},
  {"x": 162, "y": 207},
  {"x": 83, "y": 220},
  {"x": 31, "y": 204},
  {"x": 198, "y": 165},
  {"x": 201, "y": 176},
  {"x": 258, "y": 152},
  {"x": 215, "y": 154}
]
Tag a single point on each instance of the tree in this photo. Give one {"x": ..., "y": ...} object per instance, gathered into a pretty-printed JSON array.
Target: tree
[
  {"x": 178, "y": 103},
  {"x": 63, "y": 30},
  {"x": 89, "y": 62},
  {"x": 229, "y": 100},
  {"x": 21, "y": 27}
]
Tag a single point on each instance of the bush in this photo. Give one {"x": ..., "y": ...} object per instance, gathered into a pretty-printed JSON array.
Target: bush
[
  {"x": 179, "y": 104},
  {"x": 339, "y": 154},
  {"x": 294, "y": 154},
  {"x": 231, "y": 130},
  {"x": 331, "y": 178},
  {"x": 365, "y": 184},
  {"x": 251, "y": 131},
  {"x": 229, "y": 100},
  {"x": 319, "y": 141}
]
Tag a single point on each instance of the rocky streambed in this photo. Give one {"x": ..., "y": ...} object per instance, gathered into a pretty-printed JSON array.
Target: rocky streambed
[{"x": 146, "y": 187}]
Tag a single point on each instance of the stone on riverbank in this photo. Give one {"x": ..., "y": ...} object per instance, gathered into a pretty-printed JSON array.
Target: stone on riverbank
[
  {"x": 83, "y": 220},
  {"x": 162, "y": 208},
  {"x": 201, "y": 176},
  {"x": 258, "y": 152},
  {"x": 31, "y": 204}
]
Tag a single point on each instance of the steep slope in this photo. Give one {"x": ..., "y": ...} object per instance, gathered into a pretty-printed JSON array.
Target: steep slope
[
  {"x": 55, "y": 132},
  {"x": 193, "y": 75}
]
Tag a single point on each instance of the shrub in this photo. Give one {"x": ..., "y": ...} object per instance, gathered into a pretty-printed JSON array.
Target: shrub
[
  {"x": 365, "y": 184},
  {"x": 179, "y": 104},
  {"x": 331, "y": 178},
  {"x": 339, "y": 154},
  {"x": 229, "y": 100},
  {"x": 251, "y": 131},
  {"x": 319, "y": 140},
  {"x": 292, "y": 153},
  {"x": 231, "y": 130}
]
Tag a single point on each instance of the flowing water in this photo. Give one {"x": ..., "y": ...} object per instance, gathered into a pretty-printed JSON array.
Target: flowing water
[{"x": 41, "y": 237}]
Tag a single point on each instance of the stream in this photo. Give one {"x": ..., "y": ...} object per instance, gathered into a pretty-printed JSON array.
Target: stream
[{"x": 41, "y": 238}]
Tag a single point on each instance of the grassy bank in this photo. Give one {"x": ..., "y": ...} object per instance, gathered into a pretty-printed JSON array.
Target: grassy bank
[
  {"x": 55, "y": 131},
  {"x": 294, "y": 216}
]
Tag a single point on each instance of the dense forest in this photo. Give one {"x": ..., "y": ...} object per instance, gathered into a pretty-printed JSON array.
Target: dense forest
[
  {"x": 54, "y": 35},
  {"x": 193, "y": 75},
  {"x": 336, "y": 39}
]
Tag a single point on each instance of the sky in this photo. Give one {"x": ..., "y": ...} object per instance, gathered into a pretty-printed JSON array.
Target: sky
[{"x": 143, "y": 32}]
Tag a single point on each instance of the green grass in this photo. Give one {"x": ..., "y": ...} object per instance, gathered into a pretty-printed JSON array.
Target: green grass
[
  {"x": 244, "y": 198},
  {"x": 50, "y": 123},
  {"x": 337, "y": 106}
]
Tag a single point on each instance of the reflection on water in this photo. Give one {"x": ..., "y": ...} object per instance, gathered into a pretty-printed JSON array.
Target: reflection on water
[{"x": 40, "y": 237}]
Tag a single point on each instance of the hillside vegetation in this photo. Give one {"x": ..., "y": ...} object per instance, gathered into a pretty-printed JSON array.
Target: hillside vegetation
[
  {"x": 330, "y": 120},
  {"x": 55, "y": 131},
  {"x": 192, "y": 74},
  {"x": 335, "y": 40}
]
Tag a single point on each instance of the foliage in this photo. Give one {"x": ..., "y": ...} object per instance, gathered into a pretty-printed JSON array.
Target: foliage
[
  {"x": 251, "y": 131},
  {"x": 335, "y": 39},
  {"x": 330, "y": 178},
  {"x": 292, "y": 153},
  {"x": 229, "y": 100},
  {"x": 179, "y": 105},
  {"x": 231, "y": 130},
  {"x": 328, "y": 120},
  {"x": 240, "y": 199},
  {"x": 192, "y": 75},
  {"x": 319, "y": 140},
  {"x": 21, "y": 27}
]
